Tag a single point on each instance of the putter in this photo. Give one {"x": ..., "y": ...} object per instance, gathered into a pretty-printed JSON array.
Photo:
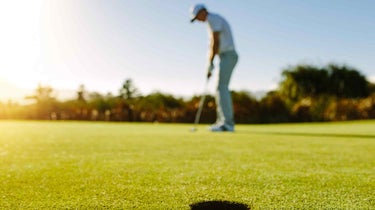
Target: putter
[{"x": 201, "y": 103}]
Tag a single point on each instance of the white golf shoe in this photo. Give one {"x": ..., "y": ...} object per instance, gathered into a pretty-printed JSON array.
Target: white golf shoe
[{"x": 221, "y": 128}]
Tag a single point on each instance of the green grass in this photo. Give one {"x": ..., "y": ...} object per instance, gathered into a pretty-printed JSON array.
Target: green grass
[{"x": 74, "y": 165}]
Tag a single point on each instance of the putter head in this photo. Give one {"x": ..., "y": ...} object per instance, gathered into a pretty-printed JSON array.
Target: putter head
[{"x": 193, "y": 129}]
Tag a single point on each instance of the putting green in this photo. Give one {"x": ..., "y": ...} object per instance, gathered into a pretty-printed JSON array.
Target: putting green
[{"x": 85, "y": 165}]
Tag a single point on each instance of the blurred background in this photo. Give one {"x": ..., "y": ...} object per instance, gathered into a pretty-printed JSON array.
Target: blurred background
[{"x": 143, "y": 60}]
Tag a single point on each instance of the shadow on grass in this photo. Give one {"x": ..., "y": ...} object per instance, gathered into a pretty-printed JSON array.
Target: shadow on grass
[
  {"x": 219, "y": 205},
  {"x": 315, "y": 134}
]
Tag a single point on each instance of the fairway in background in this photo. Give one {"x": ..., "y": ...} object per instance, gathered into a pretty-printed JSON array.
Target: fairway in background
[{"x": 69, "y": 165}]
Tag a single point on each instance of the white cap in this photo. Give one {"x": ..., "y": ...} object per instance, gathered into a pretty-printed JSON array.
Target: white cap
[{"x": 194, "y": 10}]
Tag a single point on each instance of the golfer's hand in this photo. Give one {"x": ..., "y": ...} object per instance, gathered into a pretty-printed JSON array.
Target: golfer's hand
[
  {"x": 210, "y": 68},
  {"x": 209, "y": 74}
]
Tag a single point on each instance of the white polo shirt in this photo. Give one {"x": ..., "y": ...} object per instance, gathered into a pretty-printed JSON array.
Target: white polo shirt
[{"x": 216, "y": 23}]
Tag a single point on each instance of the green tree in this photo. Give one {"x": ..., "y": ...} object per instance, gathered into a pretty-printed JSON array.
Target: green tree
[
  {"x": 128, "y": 95},
  {"x": 81, "y": 108},
  {"x": 347, "y": 82},
  {"x": 160, "y": 107},
  {"x": 309, "y": 90},
  {"x": 128, "y": 90},
  {"x": 303, "y": 81},
  {"x": 98, "y": 105},
  {"x": 45, "y": 103},
  {"x": 371, "y": 88},
  {"x": 246, "y": 108},
  {"x": 273, "y": 109}
]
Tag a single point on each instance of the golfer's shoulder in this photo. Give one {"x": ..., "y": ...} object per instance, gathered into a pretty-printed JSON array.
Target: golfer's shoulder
[{"x": 215, "y": 17}]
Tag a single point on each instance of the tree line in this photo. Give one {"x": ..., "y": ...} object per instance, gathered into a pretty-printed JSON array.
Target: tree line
[{"x": 306, "y": 93}]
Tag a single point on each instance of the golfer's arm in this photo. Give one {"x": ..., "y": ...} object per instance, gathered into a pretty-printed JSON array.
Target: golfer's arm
[{"x": 214, "y": 46}]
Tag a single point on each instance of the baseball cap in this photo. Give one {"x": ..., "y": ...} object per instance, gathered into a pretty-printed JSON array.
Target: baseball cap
[{"x": 194, "y": 10}]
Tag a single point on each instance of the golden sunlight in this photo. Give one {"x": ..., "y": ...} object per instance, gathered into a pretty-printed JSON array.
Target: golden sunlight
[{"x": 20, "y": 44}]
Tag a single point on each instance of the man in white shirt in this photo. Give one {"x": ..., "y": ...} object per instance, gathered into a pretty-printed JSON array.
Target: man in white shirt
[{"x": 222, "y": 44}]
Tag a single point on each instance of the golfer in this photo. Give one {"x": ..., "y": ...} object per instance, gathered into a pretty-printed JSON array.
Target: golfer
[{"x": 221, "y": 43}]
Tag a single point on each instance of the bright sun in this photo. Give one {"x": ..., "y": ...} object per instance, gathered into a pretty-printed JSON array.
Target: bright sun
[{"x": 20, "y": 42}]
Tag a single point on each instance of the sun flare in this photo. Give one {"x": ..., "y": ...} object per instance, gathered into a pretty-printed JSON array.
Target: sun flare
[{"x": 20, "y": 45}]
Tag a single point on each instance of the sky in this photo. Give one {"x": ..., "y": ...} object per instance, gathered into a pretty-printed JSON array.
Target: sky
[{"x": 99, "y": 44}]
